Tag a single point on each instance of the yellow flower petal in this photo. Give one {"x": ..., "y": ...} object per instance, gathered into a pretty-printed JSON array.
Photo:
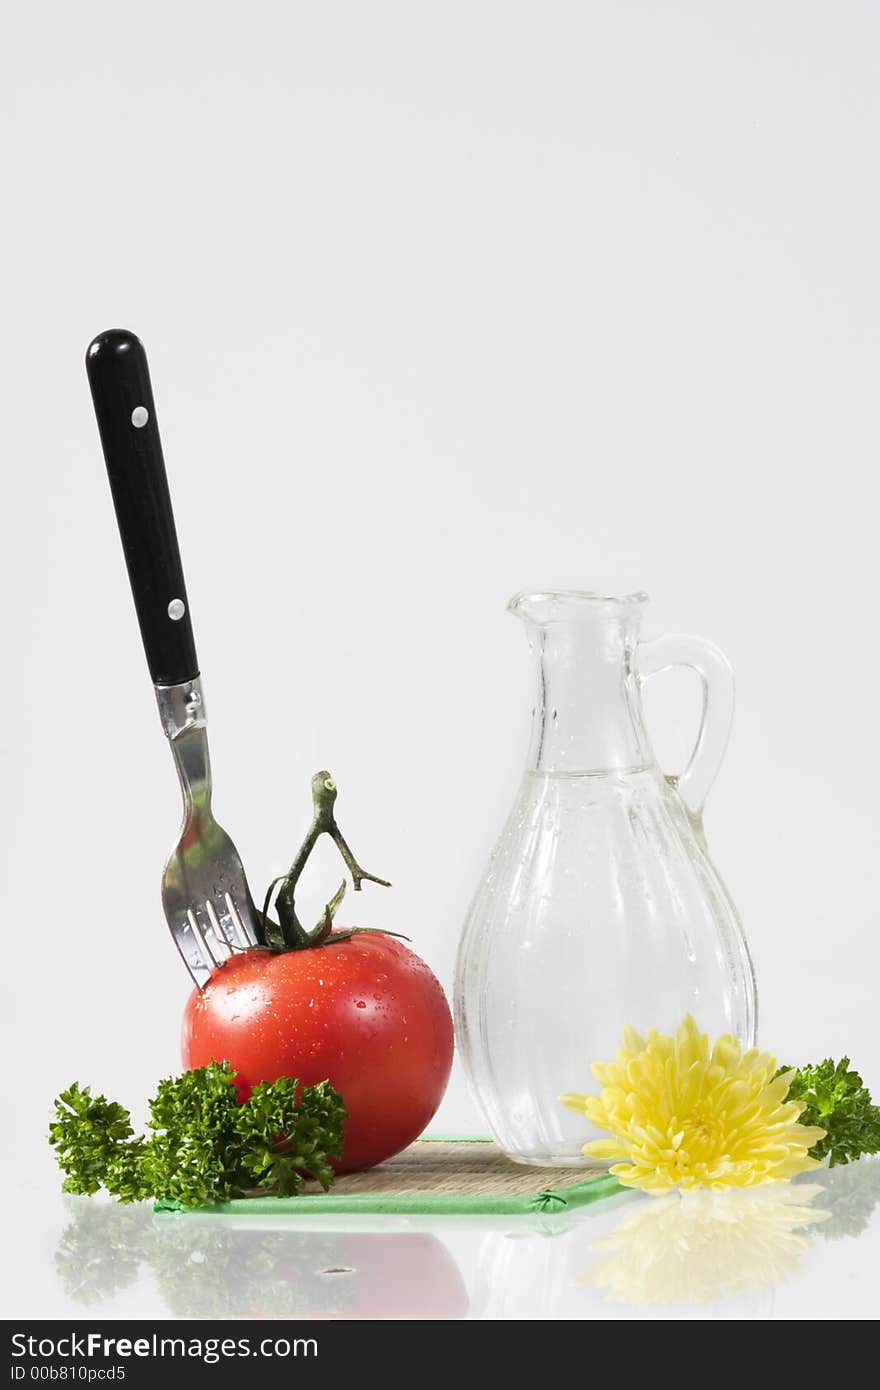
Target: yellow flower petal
[
  {"x": 726, "y": 1052},
  {"x": 604, "y": 1148},
  {"x": 573, "y": 1100},
  {"x": 633, "y": 1044}
]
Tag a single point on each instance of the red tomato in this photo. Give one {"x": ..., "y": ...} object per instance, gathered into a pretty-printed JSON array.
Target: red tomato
[{"x": 364, "y": 1013}]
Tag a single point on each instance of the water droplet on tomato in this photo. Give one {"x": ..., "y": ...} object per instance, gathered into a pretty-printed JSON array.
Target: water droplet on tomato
[{"x": 361, "y": 1004}]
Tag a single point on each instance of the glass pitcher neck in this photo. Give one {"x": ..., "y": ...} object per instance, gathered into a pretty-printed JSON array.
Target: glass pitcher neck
[{"x": 587, "y": 716}]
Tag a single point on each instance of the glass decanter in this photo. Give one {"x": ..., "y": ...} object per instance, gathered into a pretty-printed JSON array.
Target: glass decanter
[{"x": 600, "y": 906}]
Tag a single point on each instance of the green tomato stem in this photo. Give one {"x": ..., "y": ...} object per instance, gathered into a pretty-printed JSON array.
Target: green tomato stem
[{"x": 290, "y": 934}]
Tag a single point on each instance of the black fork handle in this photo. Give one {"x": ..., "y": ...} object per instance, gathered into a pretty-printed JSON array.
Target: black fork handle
[{"x": 123, "y": 397}]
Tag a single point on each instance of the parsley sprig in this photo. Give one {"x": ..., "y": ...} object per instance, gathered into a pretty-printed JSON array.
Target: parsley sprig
[
  {"x": 836, "y": 1099},
  {"x": 203, "y": 1146}
]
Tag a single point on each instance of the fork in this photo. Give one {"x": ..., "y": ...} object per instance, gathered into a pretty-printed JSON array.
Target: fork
[{"x": 207, "y": 902}]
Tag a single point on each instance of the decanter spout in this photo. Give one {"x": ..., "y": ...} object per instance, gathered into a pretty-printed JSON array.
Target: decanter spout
[{"x": 587, "y": 714}]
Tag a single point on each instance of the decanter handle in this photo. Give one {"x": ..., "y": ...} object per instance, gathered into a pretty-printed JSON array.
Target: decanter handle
[{"x": 719, "y": 693}]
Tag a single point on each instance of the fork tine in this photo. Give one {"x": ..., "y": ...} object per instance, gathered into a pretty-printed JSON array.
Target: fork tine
[
  {"x": 231, "y": 928},
  {"x": 199, "y": 972},
  {"x": 219, "y": 932},
  {"x": 202, "y": 939},
  {"x": 245, "y": 931},
  {"x": 194, "y": 956}
]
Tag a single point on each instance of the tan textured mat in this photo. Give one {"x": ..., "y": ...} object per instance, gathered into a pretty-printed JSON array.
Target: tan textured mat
[
  {"x": 439, "y": 1177},
  {"x": 458, "y": 1167}
]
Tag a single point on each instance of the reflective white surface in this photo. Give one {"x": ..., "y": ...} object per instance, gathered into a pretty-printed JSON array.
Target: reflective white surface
[{"x": 800, "y": 1250}]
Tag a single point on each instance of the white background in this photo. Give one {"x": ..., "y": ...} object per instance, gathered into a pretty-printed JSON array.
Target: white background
[{"x": 442, "y": 301}]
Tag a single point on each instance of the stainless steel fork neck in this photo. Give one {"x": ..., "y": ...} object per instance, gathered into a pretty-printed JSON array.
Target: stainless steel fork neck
[
  {"x": 181, "y": 707},
  {"x": 182, "y": 711}
]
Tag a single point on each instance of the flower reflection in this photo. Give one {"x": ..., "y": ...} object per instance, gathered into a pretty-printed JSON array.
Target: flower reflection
[{"x": 703, "y": 1245}]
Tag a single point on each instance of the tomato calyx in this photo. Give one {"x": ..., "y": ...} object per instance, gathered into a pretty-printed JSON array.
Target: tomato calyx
[{"x": 288, "y": 933}]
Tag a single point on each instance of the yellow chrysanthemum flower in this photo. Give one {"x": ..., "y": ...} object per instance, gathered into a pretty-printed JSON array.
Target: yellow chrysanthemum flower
[{"x": 684, "y": 1115}]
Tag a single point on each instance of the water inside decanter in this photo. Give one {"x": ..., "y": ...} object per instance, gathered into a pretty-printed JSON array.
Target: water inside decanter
[{"x": 599, "y": 908}]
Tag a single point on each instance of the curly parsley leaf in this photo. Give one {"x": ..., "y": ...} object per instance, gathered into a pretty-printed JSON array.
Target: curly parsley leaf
[
  {"x": 305, "y": 1145},
  {"x": 203, "y": 1146},
  {"x": 835, "y": 1098},
  {"x": 88, "y": 1134}
]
